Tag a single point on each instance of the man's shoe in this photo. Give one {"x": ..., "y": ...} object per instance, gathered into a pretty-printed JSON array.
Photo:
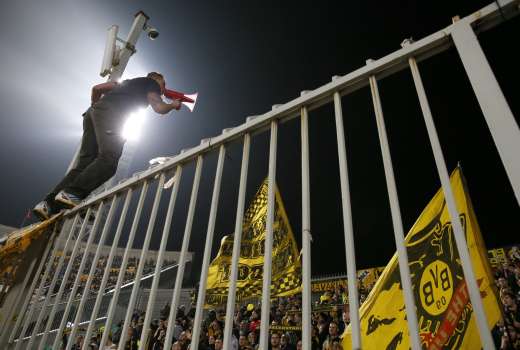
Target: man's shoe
[
  {"x": 42, "y": 210},
  {"x": 68, "y": 199}
]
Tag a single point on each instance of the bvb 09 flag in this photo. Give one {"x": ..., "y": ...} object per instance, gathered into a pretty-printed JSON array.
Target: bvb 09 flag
[
  {"x": 286, "y": 267},
  {"x": 444, "y": 311}
]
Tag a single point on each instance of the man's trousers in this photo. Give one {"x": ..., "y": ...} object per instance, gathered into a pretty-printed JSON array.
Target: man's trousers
[{"x": 101, "y": 148}]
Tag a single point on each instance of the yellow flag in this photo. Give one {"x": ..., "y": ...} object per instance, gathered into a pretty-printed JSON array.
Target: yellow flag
[
  {"x": 286, "y": 267},
  {"x": 445, "y": 315},
  {"x": 19, "y": 241}
]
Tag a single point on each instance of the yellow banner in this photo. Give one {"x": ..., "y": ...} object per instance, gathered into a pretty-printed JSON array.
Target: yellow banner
[
  {"x": 444, "y": 311},
  {"x": 366, "y": 279},
  {"x": 499, "y": 256},
  {"x": 286, "y": 267},
  {"x": 14, "y": 250}
]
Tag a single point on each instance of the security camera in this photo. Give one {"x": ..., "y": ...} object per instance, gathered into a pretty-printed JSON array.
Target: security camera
[{"x": 152, "y": 32}]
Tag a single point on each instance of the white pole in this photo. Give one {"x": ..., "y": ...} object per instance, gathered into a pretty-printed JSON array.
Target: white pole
[
  {"x": 402, "y": 254},
  {"x": 182, "y": 259},
  {"x": 462, "y": 247},
  {"x": 92, "y": 272},
  {"x": 228, "y": 327},
  {"x": 268, "y": 255},
  {"x": 142, "y": 260},
  {"x": 65, "y": 278},
  {"x": 43, "y": 280},
  {"x": 77, "y": 280},
  {"x": 306, "y": 233},
  {"x": 201, "y": 296},
  {"x": 499, "y": 118},
  {"x": 160, "y": 258},
  {"x": 122, "y": 269},
  {"x": 50, "y": 290},
  {"x": 348, "y": 230},
  {"x": 106, "y": 273}
]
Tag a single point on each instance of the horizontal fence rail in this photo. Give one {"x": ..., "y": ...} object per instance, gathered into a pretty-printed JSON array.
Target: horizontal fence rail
[{"x": 34, "y": 327}]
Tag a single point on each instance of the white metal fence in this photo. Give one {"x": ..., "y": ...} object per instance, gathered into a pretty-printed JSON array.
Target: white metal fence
[{"x": 37, "y": 329}]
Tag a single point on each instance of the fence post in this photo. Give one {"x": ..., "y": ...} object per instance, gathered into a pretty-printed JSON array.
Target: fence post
[
  {"x": 268, "y": 255},
  {"x": 458, "y": 232},
  {"x": 353, "y": 297},
  {"x": 182, "y": 259},
  {"x": 201, "y": 295},
  {"x": 306, "y": 233},
  {"x": 230, "y": 307},
  {"x": 498, "y": 115},
  {"x": 402, "y": 254}
]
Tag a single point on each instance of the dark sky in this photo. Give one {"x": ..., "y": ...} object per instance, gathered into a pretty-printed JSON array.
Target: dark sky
[{"x": 243, "y": 57}]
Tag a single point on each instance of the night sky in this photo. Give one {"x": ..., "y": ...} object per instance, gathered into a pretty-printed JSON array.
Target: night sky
[{"x": 243, "y": 57}]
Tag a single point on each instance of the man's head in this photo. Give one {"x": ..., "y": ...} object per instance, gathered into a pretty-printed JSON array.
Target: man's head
[
  {"x": 502, "y": 283},
  {"x": 284, "y": 340},
  {"x": 242, "y": 341},
  {"x": 508, "y": 299},
  {"x": 252, "y": 338},
  {"x": 275, "y": 339},
  {"x": 218, "y": 344},
  {"x": 333, "y": 329},
  {"x": 346, "y": 316},
  {"x": 159, "y": 79}
]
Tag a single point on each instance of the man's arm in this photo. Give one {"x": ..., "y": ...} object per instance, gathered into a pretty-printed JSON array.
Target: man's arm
[
  {"x": 100, "y": 89},
  {"x": 159, "y": 106}
]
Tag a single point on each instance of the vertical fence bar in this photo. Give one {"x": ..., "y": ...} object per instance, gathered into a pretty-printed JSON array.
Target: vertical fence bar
[
  {"x": 47, "y": 256},
  {"x": 228, "y": 327},
  {"x": 182, "y": 259},
  {"x": 108, "y": 266},
  {"x": 402, "y": 254},
  {"x": 92, "y": 272},
  {"x": 268, "y": 255},
  {"x": 201, "y": 295},
  {"x": 462, "y": 247},
  {"x": 142, "y": 260},
  {"x": 12, "y": 307},
  {"x": 48, "y": 297},
  {"x": 40, "y": 287},
  {"x": 306, "y": 233},
  {"x": 122, "y": 271},
  {"x": 77, "y": 280},
  {"x": 348, "y": 230},
  {"x": 65, "y": 278},
  {"x": 498, "y": 115},
  {"x": 49, "y": 291},
  {"x": 160, "y": 258}
]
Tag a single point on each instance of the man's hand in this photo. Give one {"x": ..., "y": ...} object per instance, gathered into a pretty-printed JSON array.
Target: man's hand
[
  {"x": 176, "y": 104},
  {"x": 159, "y": 106}
]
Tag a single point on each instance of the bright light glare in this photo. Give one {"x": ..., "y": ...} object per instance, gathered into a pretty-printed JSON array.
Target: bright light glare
[{"x": 133, "y": 126}]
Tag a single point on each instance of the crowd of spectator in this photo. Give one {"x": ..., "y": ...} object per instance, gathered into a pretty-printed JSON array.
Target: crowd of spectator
[
  {"x": 329, "y": 318},
  {"x": 130, "y": 271},
  {"x": 507, "y": 279}
]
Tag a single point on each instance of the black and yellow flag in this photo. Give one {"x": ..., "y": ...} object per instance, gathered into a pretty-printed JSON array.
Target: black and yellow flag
[
  {"x": 286, "y": 267},
  {"x": 444, "y": 311},
  {"x": 19, "y": 241}
]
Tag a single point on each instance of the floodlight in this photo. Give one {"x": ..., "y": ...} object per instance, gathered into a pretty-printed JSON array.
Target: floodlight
[
  {"x": 110, "y": 51},
  {"x": 133, "y": 126}
]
